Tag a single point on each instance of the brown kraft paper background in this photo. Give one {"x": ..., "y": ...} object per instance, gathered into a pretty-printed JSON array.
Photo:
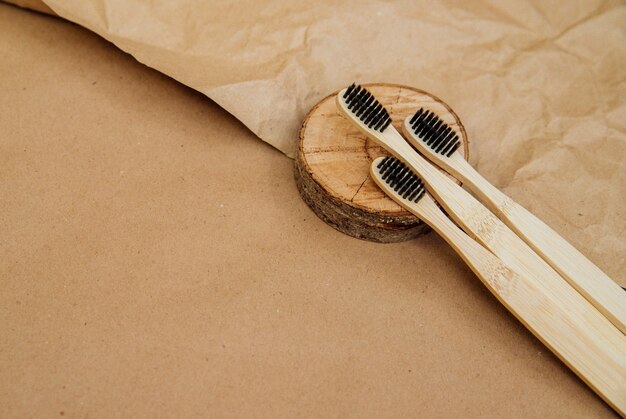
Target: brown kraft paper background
[
  {"x": 539, "y": 85},
  {"x": 156, "y": 260}
]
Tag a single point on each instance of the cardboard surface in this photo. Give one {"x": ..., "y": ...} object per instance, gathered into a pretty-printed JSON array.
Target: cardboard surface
[{"x": 156, "y": 260}]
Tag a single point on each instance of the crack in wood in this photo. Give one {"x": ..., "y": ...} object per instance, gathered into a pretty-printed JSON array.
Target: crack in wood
[{"x": 357, "y": 191}]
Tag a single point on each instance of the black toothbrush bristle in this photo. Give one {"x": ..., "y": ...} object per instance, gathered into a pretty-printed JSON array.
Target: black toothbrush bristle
[
  {"x": 366, "y": 107},
  {"x": 435, "y": 133},
  {"x": 401, "y": 179}
]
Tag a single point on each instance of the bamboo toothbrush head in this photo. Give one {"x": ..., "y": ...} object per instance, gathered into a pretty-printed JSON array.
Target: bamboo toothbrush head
[
  {"x": 434, "y": 133},
  {"x": 434, "y": 138},
  {"x": 360, "y": 103},
  {"x": 398, "y": 177},
  {"x": 367, "y": 113}
]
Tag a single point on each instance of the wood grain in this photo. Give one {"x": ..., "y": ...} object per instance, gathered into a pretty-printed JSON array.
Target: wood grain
[{"x": 333, "y": 159}]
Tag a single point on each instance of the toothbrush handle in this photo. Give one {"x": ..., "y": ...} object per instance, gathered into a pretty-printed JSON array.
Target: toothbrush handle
[
  {"x": 555, "y": 324},
  {"x": 580, "y": 272}
]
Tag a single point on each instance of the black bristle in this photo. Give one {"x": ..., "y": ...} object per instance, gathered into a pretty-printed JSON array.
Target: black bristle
[
  {"x": 364, "y": 106},
  {"x": 445, "y": 144},
  {"x": 349, "y": 90},
  {"x": 416, "y": 115},
  {"x": 453, "y": 149},
  {"x": 434, "y": 132},
  {"x": 429, "y": 119},
  {"x": 382, "y": 120},
  {"x": 371, "y": 113},
  {"x": 417, "y": 193},
  {"x": 441, "y": 136},
  {"x": 398, "y": 176},
  {"x": 387, "y": 122},
  {"x": 353, "y": 94},
  {"x": 401, "y": 179},
  {"x": 407, "y": 188}
]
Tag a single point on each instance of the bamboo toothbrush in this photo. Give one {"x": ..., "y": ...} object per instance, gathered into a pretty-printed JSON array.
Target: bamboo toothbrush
[
  {"x": 544, "y": 316},
  {"x": 593, "y": 330},
  {"x": 439, "y": 143}
]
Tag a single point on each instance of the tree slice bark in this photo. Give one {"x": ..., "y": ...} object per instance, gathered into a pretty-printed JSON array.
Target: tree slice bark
[{"x": 333, "y": 160}]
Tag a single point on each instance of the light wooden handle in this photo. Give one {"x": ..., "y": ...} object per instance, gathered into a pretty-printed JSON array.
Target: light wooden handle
[
  {"x": 595, "y": 332},
  {"x": 556, "y": 325},
  {"x": 604, "y": 293}
]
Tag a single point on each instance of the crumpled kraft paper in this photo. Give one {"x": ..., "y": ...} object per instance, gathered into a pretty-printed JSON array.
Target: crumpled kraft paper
[
  {"x": 539, "y": 85},
  {"x": 36, "y": 5}
]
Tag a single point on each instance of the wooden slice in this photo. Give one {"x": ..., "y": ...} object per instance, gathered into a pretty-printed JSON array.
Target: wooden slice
[{"x": 333, "y": 160}]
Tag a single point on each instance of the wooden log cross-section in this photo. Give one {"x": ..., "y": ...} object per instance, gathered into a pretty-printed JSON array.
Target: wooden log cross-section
[{"x": 333, "y": 160}]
